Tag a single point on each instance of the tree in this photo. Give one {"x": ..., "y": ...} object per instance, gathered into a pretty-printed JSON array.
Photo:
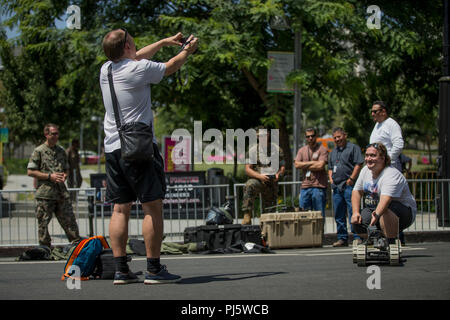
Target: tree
[
  {"x": 224, "y": 85},
  {"x": 236, "y": 35},
  {"x": 401, "y": 65}
]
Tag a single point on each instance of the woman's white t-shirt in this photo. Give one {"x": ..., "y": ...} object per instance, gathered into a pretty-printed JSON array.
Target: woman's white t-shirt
[{"x": 390, "y": 182}]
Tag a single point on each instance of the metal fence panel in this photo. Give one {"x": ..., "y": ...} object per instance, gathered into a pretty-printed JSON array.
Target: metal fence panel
[{"x": 18, "y": 224}]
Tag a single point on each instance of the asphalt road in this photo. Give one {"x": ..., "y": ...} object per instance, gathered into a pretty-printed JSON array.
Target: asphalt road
[{"x": 294, "y": 274}]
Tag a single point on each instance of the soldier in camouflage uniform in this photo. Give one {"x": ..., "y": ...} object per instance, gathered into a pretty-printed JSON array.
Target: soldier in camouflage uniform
[
  {"x": 48, "y": 165},
  {"x": 263, "y": 178}
]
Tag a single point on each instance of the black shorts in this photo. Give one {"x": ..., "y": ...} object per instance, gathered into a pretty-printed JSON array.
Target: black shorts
[
  {"x": 404, "y": 214},
  {"x": 128, "y": 181}
]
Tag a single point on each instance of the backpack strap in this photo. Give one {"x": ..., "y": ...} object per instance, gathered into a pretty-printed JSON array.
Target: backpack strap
[
  {"x": 115, "y": 103},
  {"x": 103, "y": 241}
]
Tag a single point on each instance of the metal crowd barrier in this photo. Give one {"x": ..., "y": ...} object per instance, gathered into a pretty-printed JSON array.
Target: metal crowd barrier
[{"x": 187, "y": 206}]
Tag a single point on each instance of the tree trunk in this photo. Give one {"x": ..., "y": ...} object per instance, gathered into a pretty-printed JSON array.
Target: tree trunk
[
  {"x": 284, "y": 135},
  {"x": 285, "y": 145}
]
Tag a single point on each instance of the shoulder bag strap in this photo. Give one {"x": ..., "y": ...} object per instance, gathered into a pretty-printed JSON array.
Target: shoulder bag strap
[{"x": 113, "y": 97}]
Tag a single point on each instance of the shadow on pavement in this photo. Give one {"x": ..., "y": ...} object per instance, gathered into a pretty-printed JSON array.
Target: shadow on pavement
[
  {"x": 407, "y": 256},
  {"x": 227, "y": 277}
]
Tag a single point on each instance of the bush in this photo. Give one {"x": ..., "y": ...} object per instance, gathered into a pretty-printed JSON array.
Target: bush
[{"x": 16, "y": 166}]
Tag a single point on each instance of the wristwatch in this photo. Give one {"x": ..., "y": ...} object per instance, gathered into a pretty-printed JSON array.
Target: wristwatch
[{"x": 49, "y": 176}]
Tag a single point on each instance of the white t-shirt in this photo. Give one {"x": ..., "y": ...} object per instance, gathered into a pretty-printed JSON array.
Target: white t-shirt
[
  {"x": 390, "y": 182},
  {"x": 132, "y": 81},
  {"x": 389, "y": 133}
]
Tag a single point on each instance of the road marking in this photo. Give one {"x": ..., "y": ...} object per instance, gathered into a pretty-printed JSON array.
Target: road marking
[
  {"x": 326, "y": 254},
  {"x": 306, "y": 253}
]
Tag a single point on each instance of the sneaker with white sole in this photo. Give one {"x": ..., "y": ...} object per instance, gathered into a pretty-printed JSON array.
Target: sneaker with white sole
[
  {"x": 163, "y": 276},
  {"x": 125, "y": 278}
]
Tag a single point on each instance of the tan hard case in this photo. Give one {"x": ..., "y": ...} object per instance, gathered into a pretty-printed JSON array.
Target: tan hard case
[{"x": 292, "y": 229}]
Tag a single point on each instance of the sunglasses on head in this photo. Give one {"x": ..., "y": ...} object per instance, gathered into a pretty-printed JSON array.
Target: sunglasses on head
[
  {"x": 124, "y": 38},
  {"x": 375, "y": 145}
]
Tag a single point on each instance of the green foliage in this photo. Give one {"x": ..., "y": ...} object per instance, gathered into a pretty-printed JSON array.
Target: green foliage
[
  {"x": 55, "y": 76},
  {"x": 16, "y": 166}
]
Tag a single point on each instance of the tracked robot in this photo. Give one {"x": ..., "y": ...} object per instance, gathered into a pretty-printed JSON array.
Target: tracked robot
[{"x": 376, "y": 250}]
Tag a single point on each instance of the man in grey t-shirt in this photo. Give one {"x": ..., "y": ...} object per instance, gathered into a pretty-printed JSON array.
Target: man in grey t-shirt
[
  {"x": 344, "y": 166},
  {"x": 132, "y": 74}
]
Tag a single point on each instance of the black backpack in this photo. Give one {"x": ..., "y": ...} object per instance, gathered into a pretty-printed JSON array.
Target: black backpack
[
  {"x": 105, "y": 267},
  {"x": 38, "y": 253}
]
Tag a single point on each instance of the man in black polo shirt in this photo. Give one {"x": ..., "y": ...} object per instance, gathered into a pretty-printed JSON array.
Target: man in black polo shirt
[{"x": 344, "y": 166}]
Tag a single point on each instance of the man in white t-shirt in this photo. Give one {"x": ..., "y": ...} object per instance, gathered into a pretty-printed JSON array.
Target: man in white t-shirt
[
  {"x": 388, "y": 202},
  {"x": 126, "y": 182},
  {"x": 388, "y": 132}
]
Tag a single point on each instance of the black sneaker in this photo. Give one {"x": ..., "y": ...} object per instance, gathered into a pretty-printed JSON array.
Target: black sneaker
[
  {"x": 163, "y": 276},
  {"x": 125, "y": 278}
]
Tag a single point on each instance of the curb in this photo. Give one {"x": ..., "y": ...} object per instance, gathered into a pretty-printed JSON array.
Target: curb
[
  {"x": 410, "y": 237},
  {"x": 328, "y": 239}
]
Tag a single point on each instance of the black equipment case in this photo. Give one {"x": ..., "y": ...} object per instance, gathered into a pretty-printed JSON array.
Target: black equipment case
[{"x": 222, "y": 236}]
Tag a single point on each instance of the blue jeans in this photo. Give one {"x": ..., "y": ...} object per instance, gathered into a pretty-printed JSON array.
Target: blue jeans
[
  {"x": 342, "y": 202},
  {"x": 313, "y": 199}
]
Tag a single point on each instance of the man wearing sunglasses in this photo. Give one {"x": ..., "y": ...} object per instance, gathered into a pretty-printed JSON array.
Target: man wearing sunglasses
[
  {"x": 388, "y": 132},
  {"x": 49, "y": 166},
  {"x": 133, "y": 72},
  {"x": 311, "y": 159}
]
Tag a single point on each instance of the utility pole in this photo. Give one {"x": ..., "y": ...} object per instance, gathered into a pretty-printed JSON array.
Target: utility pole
[
  {"x": 297, "y": 116},
  {"x": 442, "y": 199}
]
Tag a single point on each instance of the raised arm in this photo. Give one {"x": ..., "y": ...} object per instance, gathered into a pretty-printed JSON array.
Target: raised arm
[
  {"x": 174, "y": 64},
  {"x": 150, "y": 50}
]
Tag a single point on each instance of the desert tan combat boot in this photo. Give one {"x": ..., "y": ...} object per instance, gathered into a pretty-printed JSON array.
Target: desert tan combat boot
[{"x": 247, "y": 218}]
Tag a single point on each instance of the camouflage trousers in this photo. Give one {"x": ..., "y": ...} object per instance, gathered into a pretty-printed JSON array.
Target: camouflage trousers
[
  {"x": 64, "y": 214},
  {"x": 254, "y": 187}
]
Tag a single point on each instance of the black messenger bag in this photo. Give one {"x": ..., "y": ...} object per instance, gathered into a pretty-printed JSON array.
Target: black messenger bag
[{"x": 136, "y": 138}]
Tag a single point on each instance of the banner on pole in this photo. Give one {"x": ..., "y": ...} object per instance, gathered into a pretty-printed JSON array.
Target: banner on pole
[{"x": 282, "y": 64}]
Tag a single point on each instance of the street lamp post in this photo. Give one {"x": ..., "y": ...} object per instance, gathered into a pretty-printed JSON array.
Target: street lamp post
[
  {"x": 443, "y": 200},
  {"x": 297, "y": 116},
  {"x": 282, "y": 23}
]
